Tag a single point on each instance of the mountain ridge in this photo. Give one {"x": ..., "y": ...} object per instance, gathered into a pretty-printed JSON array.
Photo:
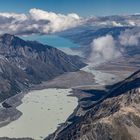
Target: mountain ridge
[
  {"x": 114, "y": 117},
  {"x": 24, "y": 63}
]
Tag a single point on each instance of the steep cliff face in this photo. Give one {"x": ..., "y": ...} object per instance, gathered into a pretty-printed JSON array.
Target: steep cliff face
[
  {"x": 114, "y": 117},
  {"x": 23, "y": 63},
  {"x": 12, "y": 79}
]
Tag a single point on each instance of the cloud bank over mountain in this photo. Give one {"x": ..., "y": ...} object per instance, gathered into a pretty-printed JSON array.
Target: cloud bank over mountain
[
  {"x": 107, "y": 47},
  {"x": 116, "y": 20},
  {"x": 103, "y": 49},
  {"x": 130, "y": 37},
  {"x": 37, "y": 22}
]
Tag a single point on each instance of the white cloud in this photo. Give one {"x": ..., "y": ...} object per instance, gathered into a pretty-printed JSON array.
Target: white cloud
[
  {"x": 16, "y": 17},
  {"x": 37, "y": 21},
  {"x": 130, "y": 37},
  {"x": 56, "y": 22},
  {"x": 117, "y": 21},
  {"x": 116, "y": 24},
  {"x": 103, "y": 49}
]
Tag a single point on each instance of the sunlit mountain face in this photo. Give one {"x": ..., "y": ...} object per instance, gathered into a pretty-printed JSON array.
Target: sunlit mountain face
[{"x": 69, "y": 70}]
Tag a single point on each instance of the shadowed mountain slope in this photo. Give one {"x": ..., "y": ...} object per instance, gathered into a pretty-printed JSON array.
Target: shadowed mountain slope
[
  {"x": 116, "y": 116},
  {"x": 23, "y": 63}
]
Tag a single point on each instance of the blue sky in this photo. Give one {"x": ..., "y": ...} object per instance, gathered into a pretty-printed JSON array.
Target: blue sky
[{"x": 82, "y": 7}]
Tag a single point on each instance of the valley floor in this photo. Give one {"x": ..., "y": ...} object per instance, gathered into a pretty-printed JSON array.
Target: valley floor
[{"x": 42, "y": 110}]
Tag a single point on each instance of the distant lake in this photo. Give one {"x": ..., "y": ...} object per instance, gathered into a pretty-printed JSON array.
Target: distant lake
[{"x": 52, "y": 40}]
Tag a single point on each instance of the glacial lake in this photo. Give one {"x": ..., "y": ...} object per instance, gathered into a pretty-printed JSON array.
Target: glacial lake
[
  {"x": 52, "y": 40},
  {"x": 43, "y": 111}
]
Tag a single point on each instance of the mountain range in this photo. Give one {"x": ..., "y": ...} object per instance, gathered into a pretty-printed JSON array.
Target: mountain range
[
  {"x": 109, "y": 114},
  {"x": 26, "y": 63}
]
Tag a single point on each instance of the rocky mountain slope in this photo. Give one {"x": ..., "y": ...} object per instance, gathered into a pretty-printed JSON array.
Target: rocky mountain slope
[
  {"x": 115, "y": 116},
  {"x": 5, "y": 138},
  {"x": 24, "y": 63}
]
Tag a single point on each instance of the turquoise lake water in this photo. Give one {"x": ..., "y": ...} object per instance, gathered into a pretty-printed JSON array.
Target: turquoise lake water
[{"x": 52, "y": 40}]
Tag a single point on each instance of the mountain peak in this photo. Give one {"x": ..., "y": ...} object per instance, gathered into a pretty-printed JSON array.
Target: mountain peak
[
  {"x": 8, "y": 39},
  {"x": 7, "y": 36}
]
